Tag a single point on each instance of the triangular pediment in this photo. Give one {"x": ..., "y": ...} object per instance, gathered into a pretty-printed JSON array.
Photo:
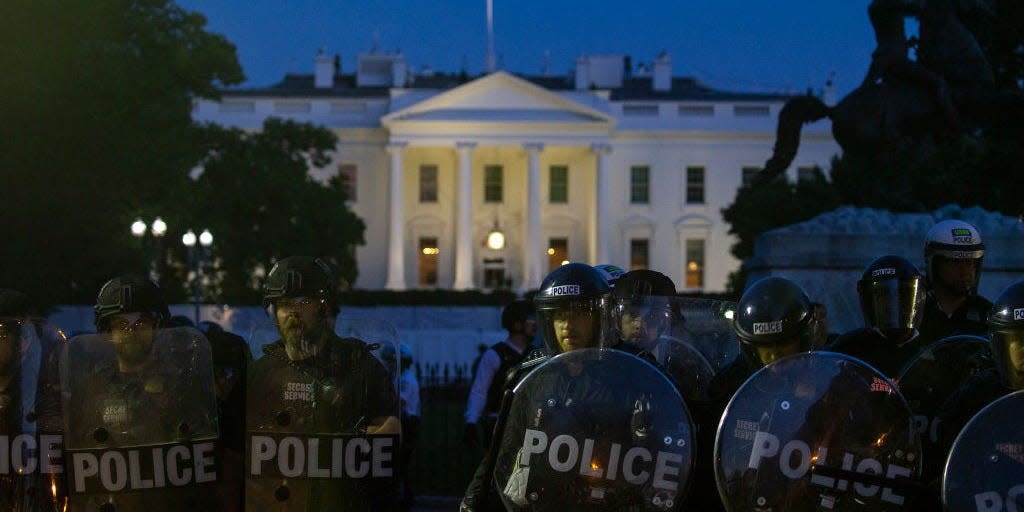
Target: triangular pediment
[{"x": 498, "y": 98}]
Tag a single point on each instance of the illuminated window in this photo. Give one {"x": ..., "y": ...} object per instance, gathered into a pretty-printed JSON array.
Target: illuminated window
[
  {"x": 347, "y": 175},
  {"x": 639, "y": 253},
  {"x": 558, "y": 186},
  {"x": 428, "y": 261},
  {"x": 748, "y": 174},
  {"x": 639, "y": 184},
  {"x": 428, "y": 183},
  {"x": 695, "y": 185},
  {"x": 558, "y": 252},
  {"x": 494, "y": 181},
  {"x": 694, "y": 263}
]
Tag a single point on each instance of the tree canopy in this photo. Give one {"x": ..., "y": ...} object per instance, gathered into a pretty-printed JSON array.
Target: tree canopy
[
  {"x": 256, "y": 193},
  {"x": 96, "y": 99}
]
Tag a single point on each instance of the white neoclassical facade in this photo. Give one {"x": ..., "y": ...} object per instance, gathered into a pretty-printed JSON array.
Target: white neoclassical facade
[{"x": 608, "y": 165}]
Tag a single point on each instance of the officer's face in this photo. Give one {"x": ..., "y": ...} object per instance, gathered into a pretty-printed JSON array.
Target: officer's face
[
  {"x": 574, "y": 328},
  {"x": 132, "y": 335},
  {"x": 956, "y": 275},
  {"x": 643, "y": 324},
  {"x": 298, "y": 319}
]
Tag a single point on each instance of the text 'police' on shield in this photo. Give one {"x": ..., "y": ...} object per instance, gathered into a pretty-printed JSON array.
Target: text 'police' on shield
[
  {"x": 795, "y": 458},
  {"x": 292, "y": 456},
  {"x": 139, "y": 469},
  {"x": 632, "y": 464},
  {"x": 26, "y": 453}
]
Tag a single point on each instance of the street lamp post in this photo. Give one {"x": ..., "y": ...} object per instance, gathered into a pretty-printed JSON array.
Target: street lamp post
[
  {"x": 195, "y": 257},
  {"x": 158, "y": 229}
]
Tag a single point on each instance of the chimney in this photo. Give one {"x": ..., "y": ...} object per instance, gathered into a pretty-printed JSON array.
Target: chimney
[
  {"x": 582, "y": 73},
  {"x": 399, "y": 70},
  {"x": 323, "y": 70},
  {"x": 662, "y": 73}
]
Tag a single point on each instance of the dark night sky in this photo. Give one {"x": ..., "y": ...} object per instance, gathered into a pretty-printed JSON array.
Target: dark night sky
[{"x": 742, "y": 45}]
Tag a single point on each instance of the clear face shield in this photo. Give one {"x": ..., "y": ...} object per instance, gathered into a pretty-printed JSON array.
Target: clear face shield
[
  {"x": 1008, "y": 353},
  {"x": 132, "y": 335},
  {"x": 764, "y": 352},
  {"x": 893, "y": 306},
  {"x": 641, "y": 321},
  {"x": 567, "y": 325}
]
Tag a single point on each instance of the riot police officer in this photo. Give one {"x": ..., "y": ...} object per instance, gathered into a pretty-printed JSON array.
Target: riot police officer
[
  {"x": 30, "y": 412},
  {"x": 134, "y": 389},
  {"x": 313, "y": 385},
  {"x": 572, "y": 307},
  {"x": 953, "y": 254},
  {"x": 1006, "y": 329},
  {"x": 892, "y": 296},
  {"x": 642, "y": 309},
  {"x": 774, "y": 318}
]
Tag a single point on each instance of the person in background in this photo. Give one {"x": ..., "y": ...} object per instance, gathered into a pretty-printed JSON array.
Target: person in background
[
  {"x": 953, "y": 253},
  {"x": 409, "y": 393},
  {"x": 891, "y": 293},
  {"x": 485, "y": 393}
]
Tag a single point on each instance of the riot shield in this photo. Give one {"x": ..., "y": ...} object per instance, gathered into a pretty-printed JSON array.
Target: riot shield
[
  {"x": 985, "y": 469},
  {"x": 927, "y": 380},
  {"x": 595, "y": 428},
  {"x": 140, "y": 420},
  {"x": 816, "y": 431},
  {"x": 682, "y": 335},
  {"x": 30, "y": 430},
  {"x": 323, "y": 431},
  {"x": 707, "y": 325}
]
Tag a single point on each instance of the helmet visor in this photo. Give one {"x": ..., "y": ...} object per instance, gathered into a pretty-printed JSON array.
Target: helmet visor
[
  {"x": 1008, "y": 352},
  {"x": 642, "y": 320},
  {"x": 765, "y": 353},
  {"x": 892, "y": 305},
  {"x": 568, "y": 325}
]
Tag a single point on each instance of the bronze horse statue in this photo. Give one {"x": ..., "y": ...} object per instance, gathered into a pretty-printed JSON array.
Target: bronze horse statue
[{"x": 901, "y": 98}]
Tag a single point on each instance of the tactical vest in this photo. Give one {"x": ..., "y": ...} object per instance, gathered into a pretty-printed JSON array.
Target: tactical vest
[{"x": 509, "y": 360}]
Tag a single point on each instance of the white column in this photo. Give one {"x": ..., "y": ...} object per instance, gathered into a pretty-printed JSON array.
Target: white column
[
  {"x": 601, "y": 217},
  {"x": 534, "y": 247},
  {"x": 464, "y": 219},
  {"x": 396, "y": 233}
]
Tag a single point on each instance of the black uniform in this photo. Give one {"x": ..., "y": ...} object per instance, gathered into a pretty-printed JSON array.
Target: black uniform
[
  {"x": 970, "y": 318},
  {"x": 339, "y": 390},
  {"x": 880, "y": 352}
]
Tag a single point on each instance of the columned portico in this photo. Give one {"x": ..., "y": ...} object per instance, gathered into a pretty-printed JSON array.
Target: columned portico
[
  {"x": 396, "y": 246},
  {"x": 532, "y": 260},
  {"x": 464, "y": 219},
  {"x": 601, "y": 206}
]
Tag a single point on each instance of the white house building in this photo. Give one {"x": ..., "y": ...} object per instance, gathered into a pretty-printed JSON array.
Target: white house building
[{"x": 609, "y": 165}]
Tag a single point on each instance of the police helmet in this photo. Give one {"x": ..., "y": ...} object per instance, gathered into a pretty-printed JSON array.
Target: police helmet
[
  {"x": 952, "y": 239},
  {"x": 611, "y": 273},
  {"x": 577, "y": 290},
  {"x": 129, "y": 294},
  {"x": 515, "y": 312},
  {"x": 773, "y": 319},
  {"x": 642, "y": 306},
  {"x": 892, "y": 296},
  {"x": 301, "y": 276},
  {"x": 1006, "y": 329}
]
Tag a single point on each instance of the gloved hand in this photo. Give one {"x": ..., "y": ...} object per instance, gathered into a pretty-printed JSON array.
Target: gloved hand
[{"x": 471, "y": 435}]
